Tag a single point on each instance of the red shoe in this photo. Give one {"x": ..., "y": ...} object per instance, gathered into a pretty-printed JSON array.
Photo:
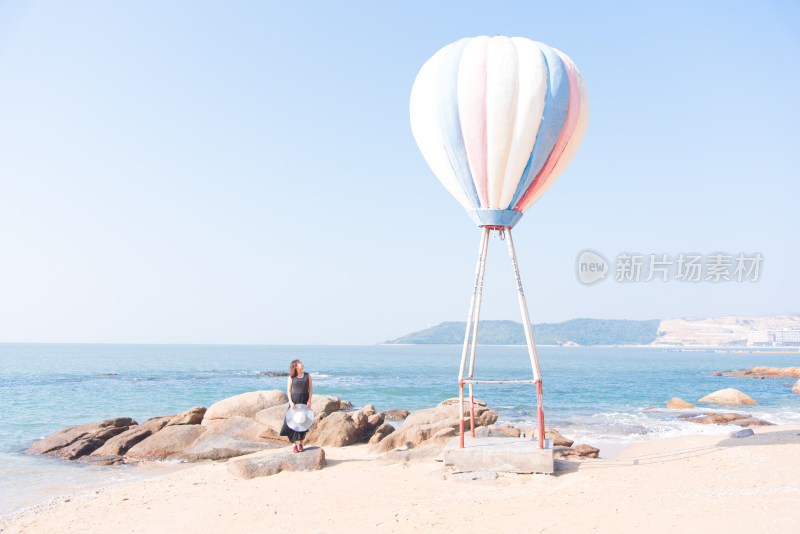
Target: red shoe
[
  {"x": 300, "y": 447},
  {"x": 295, "y": 449}
]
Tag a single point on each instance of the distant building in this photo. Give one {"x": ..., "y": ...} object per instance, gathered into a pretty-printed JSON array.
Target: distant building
[{"x": 773, "y": 338}]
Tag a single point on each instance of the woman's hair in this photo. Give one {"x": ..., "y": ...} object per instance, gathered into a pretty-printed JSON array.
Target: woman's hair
[{"x": 293, "y": 368}]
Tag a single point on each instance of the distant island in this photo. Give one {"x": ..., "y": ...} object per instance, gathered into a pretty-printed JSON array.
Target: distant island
[
  {"x": 575, "y": 331},
  {"x": 734, "y": 331}
]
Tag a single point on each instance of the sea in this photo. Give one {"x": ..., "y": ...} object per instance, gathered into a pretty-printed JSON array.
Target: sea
[{"x": 603, "y": 396}]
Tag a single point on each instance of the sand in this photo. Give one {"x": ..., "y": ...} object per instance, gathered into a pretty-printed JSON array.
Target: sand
[{"x": 689, "y": 484}]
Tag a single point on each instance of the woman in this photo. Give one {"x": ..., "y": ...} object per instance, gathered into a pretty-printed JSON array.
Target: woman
[{"x": 299, "y": 390}]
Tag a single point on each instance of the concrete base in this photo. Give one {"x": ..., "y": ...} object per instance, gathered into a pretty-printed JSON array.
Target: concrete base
[{"x": 506, "y": 455}]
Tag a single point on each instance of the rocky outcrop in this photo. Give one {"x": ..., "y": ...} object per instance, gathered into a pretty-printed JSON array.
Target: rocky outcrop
[
  {"x": 765, "y": 372},
  {"x": 743, "y": 420},
  {"x": 166, "y": 443},
  {"x": 550, "y": 433},
  {"x": 324, "y": 404},
  {"x": 345, "y": 405},
  {"x": 192, "y": 416},
  {"x": 226, "y": 438},
  {"x": 578, "y": 452},
  {"x": 729, "y": 396},
  {"x": 497, "y": 431},
  {"x": 396, "y": 415},
  {"x": 273, "y": 373},
  {"x": 796, "y": 387},
  {"x": 311, "y": 459},
  {"x": 676, "y": 403},
  {"x": 244, "y": 405},
  {"x": 381, "y": 432},
  {"x": 121, "y": 443},
  {"x": 335, "y": 430},
  {"x": 77, "y": 441},
  {"x": 433, "y": 426}
]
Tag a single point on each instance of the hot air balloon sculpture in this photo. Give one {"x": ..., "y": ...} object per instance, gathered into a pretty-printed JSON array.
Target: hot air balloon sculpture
[{"x": 498, "y": 119}]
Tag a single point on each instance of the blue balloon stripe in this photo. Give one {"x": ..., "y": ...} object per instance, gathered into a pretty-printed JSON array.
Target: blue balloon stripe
[
  {"x": 449, "y": 121},
  {"x": 556, "y": 103}
]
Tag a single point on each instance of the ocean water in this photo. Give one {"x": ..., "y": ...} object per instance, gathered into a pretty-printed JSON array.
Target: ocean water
[{"x": 591, "y": 394}]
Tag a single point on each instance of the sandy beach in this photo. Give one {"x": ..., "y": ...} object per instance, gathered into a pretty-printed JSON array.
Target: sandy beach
[{"x": 690, "y": 484}]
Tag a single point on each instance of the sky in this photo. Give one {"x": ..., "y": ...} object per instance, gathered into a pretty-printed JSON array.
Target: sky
[{"x": 244, "y": 172}]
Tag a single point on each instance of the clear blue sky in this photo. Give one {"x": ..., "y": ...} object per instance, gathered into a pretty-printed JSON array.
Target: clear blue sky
[{"x": 244, "y": 172}]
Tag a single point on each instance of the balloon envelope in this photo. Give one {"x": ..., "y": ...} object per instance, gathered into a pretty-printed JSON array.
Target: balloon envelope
[{"x": 498, "y": 119}]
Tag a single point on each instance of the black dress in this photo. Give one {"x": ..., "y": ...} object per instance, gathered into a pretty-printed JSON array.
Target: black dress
[{"x": 299, "y": 396}]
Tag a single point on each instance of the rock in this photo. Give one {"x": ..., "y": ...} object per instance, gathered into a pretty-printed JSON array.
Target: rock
[
  {"x": 273, "y": 373},
  {"x": 550, "y": 433},
  {"x": 222, "y": 447},
  {"x": 100, "y": 460},
  {"x": 335, "y": 430},
  {"x": 716, "y": 373},
  {"x": 435, "y": 424},
  {"x": 244, "y": 405},
  {"x": 765, "y": 372},
  {"x": 77, "y": 441},
  {"x": 717, "y": 418},
  {"x": 688, "y": 415},
  {"x": 166, "y": 443},
  {"x": 744, "y": 420},
  {"x": 729, "y": 396},
  {"x": 743, "y": 433},
  {"x": 311, "y": 459},
  {"x": 273, "y": 417},
  {"x": 577, "y": 452},
  {"x": 369, "y": 409},
  {"x": 345, "y": 405},
  {"x": 676, "y": 403},
  {"x": 497, "y": 431},
  {"x": 121, "y": 443},
  {"x": 192, "y": 416},
  {"x": 395, "y": 414},
  {"x": 796, "y": 387},
  {"x": 381, "y": 432},
  {"x": 752, "y": 421},
  {"x": 326, "y": 404}
]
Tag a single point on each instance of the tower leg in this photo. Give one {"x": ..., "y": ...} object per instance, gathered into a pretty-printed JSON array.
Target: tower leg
[
  {"x": 526, "y": 323},
  {"x": 478, "y": 271},
  {"x": 478, "y": 300}
]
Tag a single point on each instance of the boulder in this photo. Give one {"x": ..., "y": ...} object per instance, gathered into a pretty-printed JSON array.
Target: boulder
[
  {"x": 743, "y": 433},
  {"x": 729, "y": 396},
  {"x": 550, "y": 433},
  {"x": 244, "y": 405},
  {"x": 273, "y": 373},
  {"x": 676, "y": 403},
  {"x": 311, "y": 459},
  {"x": 273, "y": 417},
  {"x": 169, "y": 442},
  {"x": 796, "y": 387},
  {"x": 101, "y": 460},
  {"x": 752, "y": 421},
  {"x": 121, "y": 443},
  {"x": 335, "y": 430},
  {"x": 395, "y": 414},
  {"x": 77, "y": 441},
  {"x": 192, "y": 416},
  {"x": 497, "y": 431},
  {"x": 433, "y": 426},
  {"x": 577, "y": 452},
  {"x": 326, "y": 404},
  {"x": 765, "y": 372},
  {"x": 743, "y": 420},
  {"x": 345, "y": 405},
  {"x": 381, "y": 432}
]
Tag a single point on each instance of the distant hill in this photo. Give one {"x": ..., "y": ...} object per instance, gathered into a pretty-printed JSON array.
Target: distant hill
[{"x": 580, "y": 331}]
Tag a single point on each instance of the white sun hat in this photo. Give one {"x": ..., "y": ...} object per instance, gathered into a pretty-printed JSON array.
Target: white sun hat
[{"x": 300, "y": 418}]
